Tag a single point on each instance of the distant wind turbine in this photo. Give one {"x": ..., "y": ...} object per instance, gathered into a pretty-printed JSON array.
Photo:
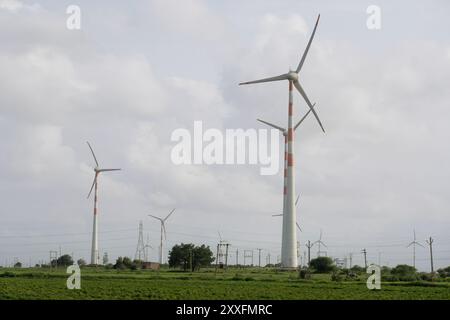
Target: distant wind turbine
[
  {"x": 280, "y": 215},
  {"x": 94, "y": 251},
  {"x": 319, "y": 242},
  {"x": 413, "y": 244},
  {"x": 163, "y": 232}
]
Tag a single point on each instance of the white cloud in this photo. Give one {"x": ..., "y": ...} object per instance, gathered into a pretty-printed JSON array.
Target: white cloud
[{"x": 11, "y": 5}]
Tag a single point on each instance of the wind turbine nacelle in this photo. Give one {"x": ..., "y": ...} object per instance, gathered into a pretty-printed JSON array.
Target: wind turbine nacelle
[{"x": 292, "y": 75}]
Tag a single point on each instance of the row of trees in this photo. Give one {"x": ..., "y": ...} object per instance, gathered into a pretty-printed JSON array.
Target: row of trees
[{"x": 190, "y": 257}]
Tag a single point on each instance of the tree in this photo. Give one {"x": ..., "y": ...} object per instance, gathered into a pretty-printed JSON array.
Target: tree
[
  {"x": 404, "y": 272},
  {"x": 119, "y": 263},
  {"x": 18, "y": 264},
  {"x": 202, "y": 257},
  {"x": 357, "y": 269},
  {"x": 180, "y": 256},
  {"x": 188, "y": 256},
  {"x": 322, "y": 264},
  {"x": 64, "y": 260},
  {"x": 81, "y": 262},
  {"x": 127, "y": 262},
  {"x": 444, "y": 272}
]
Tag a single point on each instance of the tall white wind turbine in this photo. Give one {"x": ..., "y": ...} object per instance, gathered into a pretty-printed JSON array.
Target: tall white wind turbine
[
  {"x": 289, "y": 241},
  {"x": 163, "y": 233},
  {"x": 413, "y": 244},
  {"x": 95, "y": 258}
]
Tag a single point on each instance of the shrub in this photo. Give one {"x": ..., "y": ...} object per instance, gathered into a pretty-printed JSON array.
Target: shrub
[
  {"x": 337, "y": 276},
  {"x": 405, "y": 273},
  {"x": 304, "y": 274},
  {"x": 7, "y": 274},
  {"x": 322, "y": 264}
]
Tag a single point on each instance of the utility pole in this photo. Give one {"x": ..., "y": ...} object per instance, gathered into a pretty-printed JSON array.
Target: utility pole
[
  {"x": 259, "y": 261},
  {"x": 350, "y": 258},
  {"x": 309, "y": 246},
  {"x": 237, "y": 257},
  {"x": 430, "y": 243},
  {"x": 365, "y": 257}
]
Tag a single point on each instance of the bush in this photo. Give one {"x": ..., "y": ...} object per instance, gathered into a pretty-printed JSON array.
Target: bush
[
  {"x": 444, "y": 272},
  {"x": 337, "y": 276},
  {"x": 7, "y": 274},
  {"x": 424, "y": 276},
  {"x": 322, "y": 265},
  {"x": 405, "y": 273},
  {"x": 304, "y": 274},
  {"x": 357, "y": 269}
]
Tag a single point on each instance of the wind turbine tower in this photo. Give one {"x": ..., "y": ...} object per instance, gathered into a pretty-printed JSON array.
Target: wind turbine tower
[
  {"x": 163, "y": 233},
  {"x": 95, "y": 257},
  {"x": 289, "y": 239}
]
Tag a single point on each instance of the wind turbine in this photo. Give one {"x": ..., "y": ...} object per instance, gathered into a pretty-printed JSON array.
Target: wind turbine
[
  {"x": 280, "y": 215},
  {"x": 163, "y": 232},
  {"x": 319, "y": 242},
  {"x": 289, "y": 241},
  {"x": 414, "y": 243},
  {"x": 94, "y": 250}
]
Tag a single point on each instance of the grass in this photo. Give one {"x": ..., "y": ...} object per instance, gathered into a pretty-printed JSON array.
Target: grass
[{"x": 235, "y": 284}]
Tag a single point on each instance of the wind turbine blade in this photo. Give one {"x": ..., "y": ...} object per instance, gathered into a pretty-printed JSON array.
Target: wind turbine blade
[
  {"x": 271, "y": 79},
  {"x": 108, "y": 170},
  {"x": 303, "y": 93},
  {"x": 298, "y": 226},
  {"x": 420, "y": 244},
  {"x": 409, "y": 245},
  {"x": 220, "y": 236},
  {"x": 300, "y": 65},
  {"x": 277, "y": 215},
  {"x": 272, "y": 125},
  {"x": 93, "y": 154},
  {"x": 323, "y": 244},
  {"x": 296, "y": 201},
  {"x": 158, "y": 218},
  {"x": 303, "y": 119},
  {"x": 92, "y": 187},
  {"x": 169, "y": 214}
]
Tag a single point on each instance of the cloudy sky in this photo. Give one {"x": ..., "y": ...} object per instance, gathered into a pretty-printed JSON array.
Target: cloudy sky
[{"x": 134, "y": 74}]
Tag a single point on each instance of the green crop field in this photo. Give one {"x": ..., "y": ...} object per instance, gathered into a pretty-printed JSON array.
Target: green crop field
[{"x": 231, "y": 285}]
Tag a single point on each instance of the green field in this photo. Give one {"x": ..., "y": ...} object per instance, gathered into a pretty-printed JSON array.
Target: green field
[{"x": 231, "y": 285}]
